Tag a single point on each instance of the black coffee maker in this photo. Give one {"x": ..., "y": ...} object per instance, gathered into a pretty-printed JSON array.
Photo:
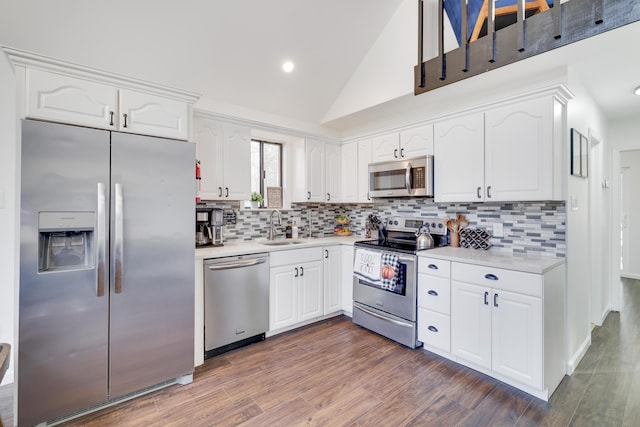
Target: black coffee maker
[{"x": 208, "y": 227}]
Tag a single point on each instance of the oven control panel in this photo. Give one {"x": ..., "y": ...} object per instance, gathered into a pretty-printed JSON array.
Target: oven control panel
[{"x": 412, "y": 224}]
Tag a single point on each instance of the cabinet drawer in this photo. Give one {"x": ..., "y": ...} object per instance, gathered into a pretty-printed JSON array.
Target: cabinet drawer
[
  {"x": 434, "y": 329},
  {"x": 433, "y": 266},
  {"x": 498, "y": 278},
  {"x": 434, "y": 293},
  {"x": 295, "y": 256}
]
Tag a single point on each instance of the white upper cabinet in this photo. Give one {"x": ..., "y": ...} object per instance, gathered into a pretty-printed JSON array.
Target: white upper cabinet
[
  {"x": 333, "y": 155},
  {"x": 308, "y": 181},
  {"x": 458, "y": 160},
  {"x": 385, "y": 147},
  {"x": 349, "y": 173},
  {"x": 417, "y": 141},
  {"x": 408, "y": 143},
  {"x": 224, "y": 151},
  {"x": 147, "y": 114},
  {"x": 511, "y": 152},
  {"x": 70, "y": 99},
  {"x": 66, "y": 99},
  {"x": 518, "y": 151},
  {"x": 365, "y": 156}
]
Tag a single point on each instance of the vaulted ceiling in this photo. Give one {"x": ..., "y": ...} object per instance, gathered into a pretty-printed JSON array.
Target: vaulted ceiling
[{"x": 232, "y": 51}]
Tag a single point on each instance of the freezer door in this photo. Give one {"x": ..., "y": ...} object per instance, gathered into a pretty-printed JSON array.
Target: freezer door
[
  {"x": 152, "y": 275},
  {"x": 63, "y": 315}
]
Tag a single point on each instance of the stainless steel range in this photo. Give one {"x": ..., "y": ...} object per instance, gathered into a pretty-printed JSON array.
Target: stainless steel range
[{"x": 385, "y": 278}]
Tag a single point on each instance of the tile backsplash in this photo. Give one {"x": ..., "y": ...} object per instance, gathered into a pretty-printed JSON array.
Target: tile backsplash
[{"x": 528, "y": 227}]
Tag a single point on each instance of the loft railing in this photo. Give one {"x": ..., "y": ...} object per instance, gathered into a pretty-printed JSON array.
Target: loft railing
[{"x": 540, "y": 26}]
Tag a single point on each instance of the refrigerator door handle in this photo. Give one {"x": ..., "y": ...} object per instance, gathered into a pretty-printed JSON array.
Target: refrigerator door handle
[
  {"x": 102, "y": 240},
  {"x": 118, "y": 237}
]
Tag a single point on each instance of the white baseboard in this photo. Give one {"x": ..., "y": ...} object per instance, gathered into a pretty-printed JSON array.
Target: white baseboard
[{"x": 573, "y": 362}]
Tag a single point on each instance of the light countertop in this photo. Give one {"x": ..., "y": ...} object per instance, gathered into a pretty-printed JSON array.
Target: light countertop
[
  {"x": 245, "y": 247},
  {"x": 529, "y": 263}
]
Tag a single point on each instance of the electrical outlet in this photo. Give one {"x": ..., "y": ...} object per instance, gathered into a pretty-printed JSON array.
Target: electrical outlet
[{"x": 498, "y": 230}]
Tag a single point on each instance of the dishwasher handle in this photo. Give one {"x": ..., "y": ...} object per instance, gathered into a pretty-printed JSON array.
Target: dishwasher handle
[{"x": 237, "y": 264}]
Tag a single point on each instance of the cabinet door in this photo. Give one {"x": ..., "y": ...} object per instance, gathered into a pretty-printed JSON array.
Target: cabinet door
[
  {"x": 517, "y": 337},
  {"x": 147, "y": 114},
  {"x": 385, "y": 147},
  {"x": 365, "y": 156},
  {"x": 237, "y": 162},
  {"x": 207, "y": 134},
  {"x": 315, "y": 170},
  {"x": 333, "y": 170},
  {"x": 416, "y": 142},
  {"x": 349, "y": 173},
  {"x": 519, "y": 151},
  {"x": 459, "y": 159},
  {"x": 283, "y": 297},
  {"x": 471, "y": 323},
  {"x": 66, "y": 99},
  {"x": 332, "y": 279},
  {"x": 347, "y": 278},
  {"x": 310, "y": 284}
]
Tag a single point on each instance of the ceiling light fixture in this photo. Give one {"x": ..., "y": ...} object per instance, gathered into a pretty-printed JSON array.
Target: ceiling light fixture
[
  {"x": 637, "y": 91},
  {"x": 288, "y": 67}
]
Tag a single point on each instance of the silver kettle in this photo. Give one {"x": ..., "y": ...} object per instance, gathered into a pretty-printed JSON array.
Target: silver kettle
[{"x": 423, "y": 239}]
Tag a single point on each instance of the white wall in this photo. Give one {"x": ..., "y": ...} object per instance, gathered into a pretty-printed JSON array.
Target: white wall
[
  {"x": 8, "y": 207},
  {"x": 584, "y": 115},
  {"x": 631, "y": 160}
]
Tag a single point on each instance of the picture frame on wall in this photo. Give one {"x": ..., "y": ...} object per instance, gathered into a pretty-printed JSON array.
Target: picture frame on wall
[{"x": 579, "y": 154}]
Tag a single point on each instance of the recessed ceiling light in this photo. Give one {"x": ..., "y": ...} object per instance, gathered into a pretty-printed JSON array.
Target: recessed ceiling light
[
  {"x": 288, "y": 67},
  {"x": 637, "y": 91}
]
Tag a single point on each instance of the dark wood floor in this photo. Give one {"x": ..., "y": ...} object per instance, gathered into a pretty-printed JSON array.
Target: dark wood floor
[{"x": 333, "y": 373}]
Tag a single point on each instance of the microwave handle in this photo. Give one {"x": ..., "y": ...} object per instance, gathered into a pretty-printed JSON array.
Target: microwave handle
[{"x": 407, "y": 178}]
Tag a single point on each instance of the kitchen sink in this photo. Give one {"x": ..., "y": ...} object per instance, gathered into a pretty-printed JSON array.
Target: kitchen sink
[{"x": 279, "y": 242}]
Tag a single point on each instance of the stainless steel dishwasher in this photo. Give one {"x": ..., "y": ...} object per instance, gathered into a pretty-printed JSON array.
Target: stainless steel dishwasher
[{"x": 236, "y": 302}]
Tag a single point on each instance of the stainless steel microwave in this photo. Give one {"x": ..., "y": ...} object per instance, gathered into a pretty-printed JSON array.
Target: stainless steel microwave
[{"x": 402, "y": 178}]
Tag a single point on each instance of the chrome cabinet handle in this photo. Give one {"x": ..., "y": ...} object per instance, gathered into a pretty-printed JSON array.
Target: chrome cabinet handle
[
  {"x": 328, "y": 196},
  {"x": 226, "y": 191},
  {"x": 489, "y": 192},
  {"x": 495, "y": 300},
  {"x": 433, "y": 266},
  {"x": 402, "y": 152},
  {"x": 296, "y": 272},
  {"x": 308, "y": 195},
  {"x": 301, "y": 271},
  {"x": 111, "y": 118},
  {"x": 395, "y": 153},
  {"x": 101, "y": 230},
  {"x": 432, "y": 328},
  {"x": 326, "y": 253},
  {"x": 125, "y": 119},
  {"x": 491, "y": 277},
  {"x": 118, "y": 238},
  {"x": 219, "y": 191},
  {"x": 486, "y": 296},
  {"x": 478, "y": 192},
  {"x": 432, "y": 292}
]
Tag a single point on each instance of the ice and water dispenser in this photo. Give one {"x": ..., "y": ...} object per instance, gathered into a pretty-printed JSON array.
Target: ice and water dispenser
[{"x": 65, "y": 241}]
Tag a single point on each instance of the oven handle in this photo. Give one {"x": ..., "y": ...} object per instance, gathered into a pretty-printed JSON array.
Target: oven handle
[{"x": 381, "y": 317}]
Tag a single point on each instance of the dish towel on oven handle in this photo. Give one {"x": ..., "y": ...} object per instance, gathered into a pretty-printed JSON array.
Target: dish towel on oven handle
[
  {"x": 368, "y": 264},
  {"x": 390, "y": 271}
]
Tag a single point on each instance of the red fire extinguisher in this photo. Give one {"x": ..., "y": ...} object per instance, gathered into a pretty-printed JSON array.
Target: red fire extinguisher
[{"x": 198, "y": 178}]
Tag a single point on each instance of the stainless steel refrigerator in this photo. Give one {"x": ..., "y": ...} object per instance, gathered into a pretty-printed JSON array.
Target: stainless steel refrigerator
[{"x": 106, "y": 267}]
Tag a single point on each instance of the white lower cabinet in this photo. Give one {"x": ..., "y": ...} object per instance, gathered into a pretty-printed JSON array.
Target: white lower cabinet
[
  {"x": 332, "y": 279},
  {"x": 295, "y": 287},
  {"x": 505, "y": 323}
]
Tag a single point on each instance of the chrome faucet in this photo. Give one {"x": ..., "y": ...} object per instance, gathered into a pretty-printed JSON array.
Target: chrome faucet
[{"x": 272, "y": 233}]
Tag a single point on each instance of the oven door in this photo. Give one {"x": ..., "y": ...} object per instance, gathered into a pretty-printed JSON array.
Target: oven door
[{"x": 401, "y": 301}]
